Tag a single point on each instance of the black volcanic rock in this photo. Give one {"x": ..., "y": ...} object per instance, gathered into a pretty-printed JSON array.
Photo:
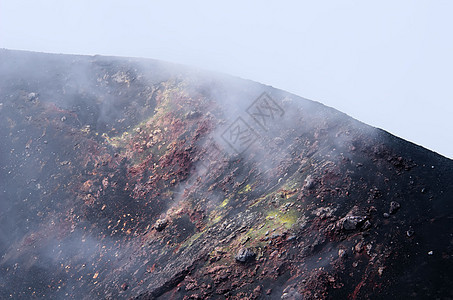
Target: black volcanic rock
[
  {"x": 130, "y": 178},
  {"x": 245, "y": 255},
  {"x": 352, "y": 222},
  {"x": 394, "y": 206},
  {"x": 160, "y": 224}
]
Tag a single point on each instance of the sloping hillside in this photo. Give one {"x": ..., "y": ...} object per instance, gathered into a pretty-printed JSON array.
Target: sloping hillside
[{"x": 131, "y": 178}]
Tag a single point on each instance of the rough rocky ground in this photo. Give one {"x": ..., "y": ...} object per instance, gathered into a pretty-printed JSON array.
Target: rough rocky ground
[{"x": 135, "y": 179}]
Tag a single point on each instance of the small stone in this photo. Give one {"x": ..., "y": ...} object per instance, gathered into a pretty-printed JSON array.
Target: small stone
[
  {"x": 394, "y": 206},
  {"x": 352, "y": 222},
  {"x": 245, "y": 255},
  {"x": 257, "y": 290},
  {"x": 245, "y": 240},
  {"x": 386, "y": 215},
  {"x": 32, "y": 96},
  {"x": 309, "y": 183},
  {"x": 366, "y": 225},
  {"x": 124, "y": 286},
  {"x": 160, "y": 224},
  {"x": 291, "y": 294},
  {"x": 269, "y": 291},
  {"x": 342, "y": 253},
  {"x": 410, "y": 232},
  {"x": 193, "y": 114},
  {"x": 431, "y": 252},
  {"x": 291, "y": 237},
  {"x": 358, "y": 247}
]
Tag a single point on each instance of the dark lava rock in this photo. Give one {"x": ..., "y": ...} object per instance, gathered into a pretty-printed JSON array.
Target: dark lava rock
[
  {"x": 257, "y": 290},
  {"x": 32, "y": 96},
  {"x": 394, "y": 206},
  {"x": 291, "y": 238},
  {"x": 193, "y": 114},
  {"x": 352, "y": 222},
  {"x": 342, "y": 253},
  {"x": 309, "y": 183},
  {"x": 366, "y": 225},
  {"x": 245, "y": 255},
  {"x": 160, "y": 224}
]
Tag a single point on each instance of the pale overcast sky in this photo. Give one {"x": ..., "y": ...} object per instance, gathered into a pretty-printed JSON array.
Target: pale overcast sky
[{"x": 386, "y": 63}]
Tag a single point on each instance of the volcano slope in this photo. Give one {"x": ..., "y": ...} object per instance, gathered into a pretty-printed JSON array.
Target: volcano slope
[{"x": 136, "y": 179}]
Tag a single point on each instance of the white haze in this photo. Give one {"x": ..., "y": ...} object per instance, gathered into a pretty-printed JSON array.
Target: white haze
[{"x": 386, "y": 63}]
